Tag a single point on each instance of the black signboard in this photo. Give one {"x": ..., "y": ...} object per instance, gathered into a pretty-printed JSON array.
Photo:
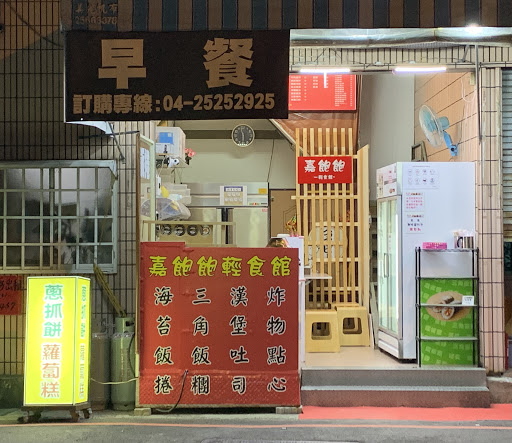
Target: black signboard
[{"x": 176, "y": 75}]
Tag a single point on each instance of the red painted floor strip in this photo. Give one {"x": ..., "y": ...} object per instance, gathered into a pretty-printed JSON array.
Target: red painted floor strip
[{"x": 495, "y": 412}]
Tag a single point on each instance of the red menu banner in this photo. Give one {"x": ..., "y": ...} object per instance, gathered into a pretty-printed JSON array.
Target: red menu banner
[
  {"x": 329, "y": 169},
  {"x": 329, "y": 92},
  {"x": 218, "y": 326},
  {"x": 11, "y": 292}
]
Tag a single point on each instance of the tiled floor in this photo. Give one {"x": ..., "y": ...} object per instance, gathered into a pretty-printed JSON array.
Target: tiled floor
[{"x": 355, "y": 356}]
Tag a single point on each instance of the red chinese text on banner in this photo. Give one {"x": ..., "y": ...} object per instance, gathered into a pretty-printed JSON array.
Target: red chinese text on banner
[
  {"x": 218, "y": 326},
  {"x": 11, "y": 294},
  {"x": 328, "y": 169}
]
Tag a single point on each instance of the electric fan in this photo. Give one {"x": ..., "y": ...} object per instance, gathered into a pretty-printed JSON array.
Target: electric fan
[{"x": 435, "y": 128}]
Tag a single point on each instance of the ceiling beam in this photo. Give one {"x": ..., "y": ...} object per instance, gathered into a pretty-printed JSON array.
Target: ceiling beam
[{"x": 222, "y": 134}]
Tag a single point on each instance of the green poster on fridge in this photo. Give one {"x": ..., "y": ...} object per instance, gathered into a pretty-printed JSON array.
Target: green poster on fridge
[{"x": 452, "y": 319}]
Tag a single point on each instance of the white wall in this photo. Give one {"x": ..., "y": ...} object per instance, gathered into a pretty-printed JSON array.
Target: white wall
[
  {"x": 387, "y": 120},
  {"x": 221, "y": 161},
  {"x": 387, "y": 125}
]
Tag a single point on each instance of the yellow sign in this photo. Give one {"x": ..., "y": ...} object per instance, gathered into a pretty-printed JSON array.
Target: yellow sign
[{"x": 57, "y": 341}]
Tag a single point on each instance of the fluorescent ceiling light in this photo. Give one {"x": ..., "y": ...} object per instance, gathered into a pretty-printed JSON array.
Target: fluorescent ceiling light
[
  {"x": 419, "y": 69},
  {"x": 474, "y": 29},
  {"x": 320, "y": 70}
]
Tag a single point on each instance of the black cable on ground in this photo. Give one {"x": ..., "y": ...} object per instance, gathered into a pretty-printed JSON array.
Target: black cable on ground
[{"x": 167, "y": 411}]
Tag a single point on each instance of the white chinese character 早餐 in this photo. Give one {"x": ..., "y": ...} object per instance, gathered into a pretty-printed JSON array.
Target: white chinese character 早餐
[
  {"x": 310, "y": 166},
  {"x": 227, "y": 61},
  {"x": 122, "y": 59}
]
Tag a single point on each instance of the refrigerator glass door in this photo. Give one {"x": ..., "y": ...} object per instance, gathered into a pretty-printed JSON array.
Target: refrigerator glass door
[
  {"x": 382, "y": 280},
  {"x": 389, "y": 265},
  {"x": 252, "y": 226}
]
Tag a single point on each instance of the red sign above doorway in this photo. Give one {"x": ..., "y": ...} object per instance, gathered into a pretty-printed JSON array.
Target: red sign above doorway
[
  {"x": 332, "y": 92},
  {"x": 328, "y": 169}
]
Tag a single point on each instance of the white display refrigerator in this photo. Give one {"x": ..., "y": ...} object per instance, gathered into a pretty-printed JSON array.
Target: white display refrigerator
[{"x": 417, "y": 202}]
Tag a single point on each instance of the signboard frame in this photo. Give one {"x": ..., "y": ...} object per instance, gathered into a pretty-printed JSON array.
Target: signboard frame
[
  {"x": 180, "y": 75},
  {"x": 328, "y": 169},
  {"x": 65, "y": 299},
  {"x": 182, "y": 290},
  {"x": 322, "y": 92}
]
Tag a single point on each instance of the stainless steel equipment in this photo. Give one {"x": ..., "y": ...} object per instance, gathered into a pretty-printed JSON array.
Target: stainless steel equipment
[{"x": 245, "y": 204}]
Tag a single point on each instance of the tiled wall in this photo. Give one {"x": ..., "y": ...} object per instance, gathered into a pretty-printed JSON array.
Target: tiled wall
[
  {"x": 490, "y": 222},
  {"x": 32, "y": 129},
  {"x": 454, "y": 96}
]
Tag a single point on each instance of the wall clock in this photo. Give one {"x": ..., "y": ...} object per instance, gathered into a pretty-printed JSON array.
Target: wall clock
[{"x": 242, "y": 135}]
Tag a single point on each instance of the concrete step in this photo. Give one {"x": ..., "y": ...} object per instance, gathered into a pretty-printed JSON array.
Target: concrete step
[
  {"x": 395, "y": 396},
  {"x": 411, "y": 387},
  {"x": 394, "y": 377}
]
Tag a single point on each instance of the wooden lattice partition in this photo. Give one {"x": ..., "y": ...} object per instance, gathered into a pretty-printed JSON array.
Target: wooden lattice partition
[{"x": 342, "y": 209}]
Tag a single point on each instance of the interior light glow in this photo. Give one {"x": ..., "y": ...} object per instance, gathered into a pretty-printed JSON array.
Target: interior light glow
[
  {"x": 419, "y": 69},
  {"x": 474, "y": 29}
]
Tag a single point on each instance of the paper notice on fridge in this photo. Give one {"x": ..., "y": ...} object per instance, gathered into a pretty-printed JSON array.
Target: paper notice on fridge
[
  {"x": 414, "y": 201},
  {"x": 421, "y": 177},
  {"x": 414, "y": 223}
]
